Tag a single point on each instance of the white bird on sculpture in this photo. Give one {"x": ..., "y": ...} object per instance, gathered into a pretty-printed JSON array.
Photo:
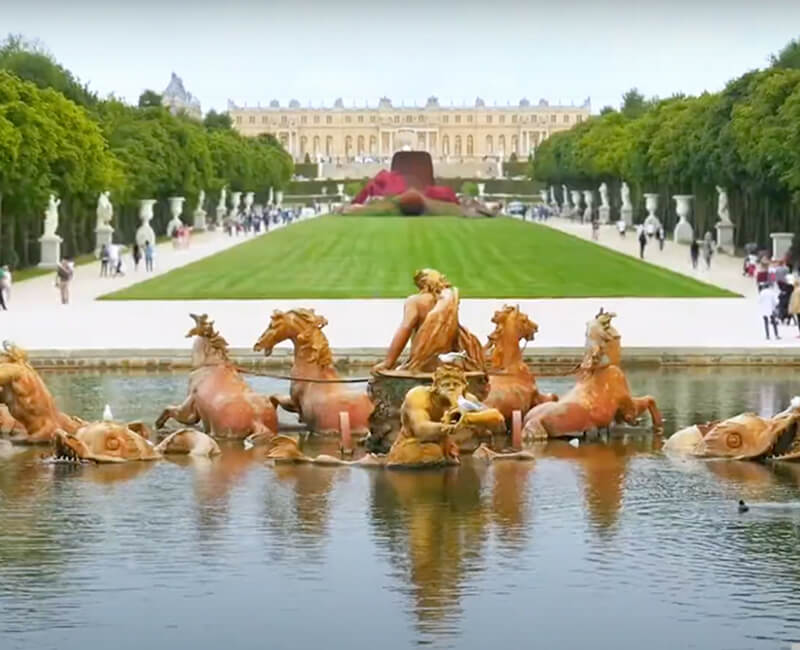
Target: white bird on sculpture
[
  {"x": 107, "y": 415},
  {"x": 468, "y": 405},
  {"x": 452, "y": 357}
]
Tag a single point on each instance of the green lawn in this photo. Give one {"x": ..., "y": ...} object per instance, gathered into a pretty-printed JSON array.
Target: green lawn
[{"x": 362, "y": 257}]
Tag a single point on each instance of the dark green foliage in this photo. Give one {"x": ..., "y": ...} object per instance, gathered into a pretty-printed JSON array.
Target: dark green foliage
[{"x": 744, "y": 138}]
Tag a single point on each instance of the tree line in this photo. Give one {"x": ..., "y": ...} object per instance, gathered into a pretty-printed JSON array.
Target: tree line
[
  {"x": 745, "y": 138},
  {"x": 56, "y": 136}
]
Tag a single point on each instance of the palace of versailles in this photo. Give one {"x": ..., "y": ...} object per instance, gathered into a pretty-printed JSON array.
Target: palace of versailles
[{"x": 374, "y": 133}]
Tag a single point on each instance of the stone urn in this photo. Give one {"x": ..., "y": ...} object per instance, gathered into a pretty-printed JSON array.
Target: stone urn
[
  {"x": 651, "y": 221},
  {"x": 145, "y": 232},
  {"x": 588, "y": 198},
  {"x": 481, "y": 189},
  {"x": 236, "y": 198},
  {"x": 175, "y": 209},
  {"x": 684, "y": 233},
  {"x": 340, "y": 190}
]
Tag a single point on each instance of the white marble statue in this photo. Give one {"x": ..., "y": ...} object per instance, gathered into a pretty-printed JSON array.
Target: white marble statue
[
  {"x": 145, "y": 233},
  {"x": 51, "y": 217},
  {"x": 625, "y": 195},
  {"x": 722, "y": 205},
  {"x": 223, "y": 198},
  {"x": 565, "y": 194},
  {"x": 603, "y": 189},
  {"x": 105, "y": 211},
  {"x": 553, "y": 195}
]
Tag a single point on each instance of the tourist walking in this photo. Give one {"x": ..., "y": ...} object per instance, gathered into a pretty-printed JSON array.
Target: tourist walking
[
  {"x": 595, "y": 229},
  {"x": 642, "y": 242},
  {"x": 694, "y": 253},
  {"x": 767, "y": 303},
  {"x": 661, "y": 236},
  {"x": 104, "y": 255},
  {"x": 708, "y": 249},
  {"x": 64, "y": 272},
  {"x": 622, "y": 227},
  {"x": 137, "y": 256},
  {"x": 149, "y": 253},
  {"x": 794, "y": 303},
  {"x": 113, "y": 259}
]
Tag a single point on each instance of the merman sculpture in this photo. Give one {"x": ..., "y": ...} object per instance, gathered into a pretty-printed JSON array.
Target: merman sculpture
[
  {"x": 601, "y": 395},
  {"x": 746, "y": 436},
  {"x": 430, "y": 321},
  {"x": 218, "y": 396},
  {"x": 317, "y": 403},
  {"x": 30, "y": 414},
  {"x": 512, "y": 386},
  {"x": 435, "y": 421}
]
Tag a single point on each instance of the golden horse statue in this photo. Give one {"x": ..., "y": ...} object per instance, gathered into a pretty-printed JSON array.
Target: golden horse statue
[
  {"x": 601, "y": 395},
  {"x": 317, "y": 403},
  {"x": 218, "y": 396},
  {"x": 512, "y": 386},
  {"x": 28, "y": 411}
]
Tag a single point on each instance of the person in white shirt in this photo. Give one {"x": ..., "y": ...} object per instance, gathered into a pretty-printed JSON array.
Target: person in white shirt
[
  {"x": 621, "y": 226},
  {"x": 767, "y": 302},
  {"x": 113, "y": 258}
]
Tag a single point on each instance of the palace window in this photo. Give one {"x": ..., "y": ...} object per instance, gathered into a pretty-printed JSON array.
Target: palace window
[
  {"x": 488, "y": 119},
  {"x": 348, "y": 119},
  {"x": 458, "y": 121},
  {"x": 553, "y": 118},
  {"x": 420, "y": 118},
  {"x": 445, "y": 119},
  {"x": 566, "y": 118},
  {"x": 264, "y": 119},
  {"x": 316, "y": 119},
  {"x": 284, "y": 120},
  {"x": 252, "y": 119},
  {"x": 360, "y": 119},
  {"x": 238, "y": 119},
  {"x": 409, "y": 118},
  {"x": 373, "y": 118},
  {"x": 396, "y": 119},
  {"x": 502, "y": 119},
  {"x": 579, "y": 118},
  {"x": 303, "y": 119},
  {"x": 328, "y": 120},
  {"x": 469, "y": 119},
  {"x": 513, "y": 119}
]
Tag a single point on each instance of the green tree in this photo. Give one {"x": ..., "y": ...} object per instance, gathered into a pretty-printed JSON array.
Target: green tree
[
  {"x": 633, "y": 103},
  {"x": 789, "y": 56},
  {"x": 149, "y": 99},
  {"x": 214, "y": 120},
  {"x": 469, "y": 188}
]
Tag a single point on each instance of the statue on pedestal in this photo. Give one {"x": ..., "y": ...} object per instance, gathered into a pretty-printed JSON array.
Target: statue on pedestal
[
  {"x": 626, "y": 212},
  {"x": 603, "y": 189},
  {"x": 430, "y": 321},
  {"x": 51, "y": 217},
  {"x": 199, "y": 212},
  {"x": 104, "y": 230},
  {"x": 722, "y": 205},
  {"x": 221, "y": 209}
]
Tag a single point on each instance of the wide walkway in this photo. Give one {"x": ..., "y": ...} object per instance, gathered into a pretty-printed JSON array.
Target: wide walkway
[
  {"x": 725, "y": 271},
  {"x": 37, "y": 322}
]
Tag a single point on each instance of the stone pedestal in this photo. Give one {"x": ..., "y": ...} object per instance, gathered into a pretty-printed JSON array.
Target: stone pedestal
[
  {"x": 481, "y": 189},
  {"x": 199, "y": 219},
  {"x": 626, "y": 214},
  {"x": 781, "y": 242},
  {"x": 725, "y": 243},
  {"x": 604, "y": 214},
  {"x": 221, "y": 211},
  {"x": 102, "y": 236},
  {"x": 50, "y": 248}
]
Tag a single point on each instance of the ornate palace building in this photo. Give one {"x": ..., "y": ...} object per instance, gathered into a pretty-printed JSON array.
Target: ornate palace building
[{"x": 371, "y": 134}]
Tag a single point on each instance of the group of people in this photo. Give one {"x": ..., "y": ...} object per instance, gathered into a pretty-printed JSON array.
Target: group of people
[
  {"x": 644, "y": 233},
  {"x": 111, "y": 262},
  {"x": 258, "y": 218},
  {"x": 778, "y": 294}
]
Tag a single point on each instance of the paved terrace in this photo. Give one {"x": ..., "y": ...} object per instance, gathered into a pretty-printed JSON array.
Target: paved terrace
[{"x": 730, "y": 326}]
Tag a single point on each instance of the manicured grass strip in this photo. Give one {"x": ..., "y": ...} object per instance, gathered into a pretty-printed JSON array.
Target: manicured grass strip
[{"x": 357, "y": 257}]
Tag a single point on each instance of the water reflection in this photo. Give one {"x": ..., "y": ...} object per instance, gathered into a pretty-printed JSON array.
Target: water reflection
[{"x": 457, "y": 558}]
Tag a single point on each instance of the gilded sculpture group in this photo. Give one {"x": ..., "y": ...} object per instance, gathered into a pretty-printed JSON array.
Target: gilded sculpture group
[{"x": 438, "y": 418}]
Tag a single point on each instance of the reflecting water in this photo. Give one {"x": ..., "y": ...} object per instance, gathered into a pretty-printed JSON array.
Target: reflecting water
[{"x": 609, "y": 543}]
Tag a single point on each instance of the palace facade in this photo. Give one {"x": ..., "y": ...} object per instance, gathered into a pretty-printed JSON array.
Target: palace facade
[{"x": 372, "y": 134}]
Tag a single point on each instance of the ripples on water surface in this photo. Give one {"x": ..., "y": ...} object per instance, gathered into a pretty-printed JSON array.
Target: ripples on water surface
[{"x": 606, "y": 545}]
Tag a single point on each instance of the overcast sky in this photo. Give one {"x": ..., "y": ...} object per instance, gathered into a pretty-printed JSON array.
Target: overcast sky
[{"x": 316, "y": 51}]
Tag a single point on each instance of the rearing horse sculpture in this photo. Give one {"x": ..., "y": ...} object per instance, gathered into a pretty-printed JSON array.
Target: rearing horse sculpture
[
  {"x": 601, "y": 395},
  {"x": 513, "y": 387},
  {"x": 218, "y": 396},
  {"x": 317, "y": 404}
]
